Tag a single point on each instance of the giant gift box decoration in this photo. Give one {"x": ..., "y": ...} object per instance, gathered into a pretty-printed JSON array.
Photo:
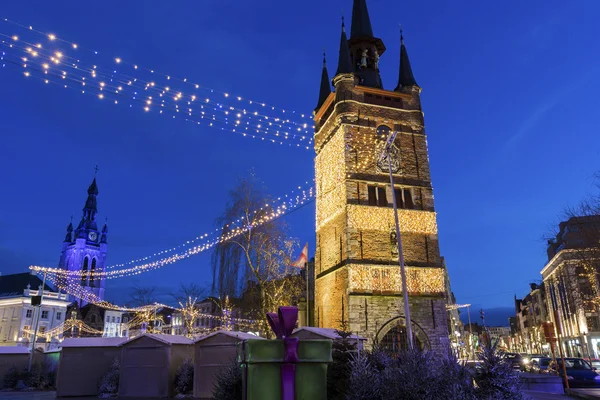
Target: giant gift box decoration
[{"x": 284, "y": 368}]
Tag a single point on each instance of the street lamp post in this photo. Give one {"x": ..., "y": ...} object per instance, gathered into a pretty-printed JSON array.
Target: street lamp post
[
  {"x": 386, "y": 154},
  {"x": 37, "y": 322}
]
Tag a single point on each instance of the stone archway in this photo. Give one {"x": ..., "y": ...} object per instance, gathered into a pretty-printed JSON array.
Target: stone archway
[{"x": 392, "y": 335}]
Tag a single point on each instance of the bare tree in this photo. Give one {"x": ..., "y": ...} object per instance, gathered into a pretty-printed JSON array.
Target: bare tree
[
  {"x": 253, "y": 260},
  {"x": 143, "y": 296},
  {"x": 187, "y": 291}
]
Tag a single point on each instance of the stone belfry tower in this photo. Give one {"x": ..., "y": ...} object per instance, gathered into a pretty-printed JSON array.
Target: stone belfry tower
[
  {"x": 85, "y": 248},
  {"x": 358, "y": 280}
]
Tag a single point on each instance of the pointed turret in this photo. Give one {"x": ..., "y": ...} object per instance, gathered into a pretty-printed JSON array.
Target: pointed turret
[
  {"x": 69, "y": 237},
  {"x": 361, "y": 23},
  {"x": 406, "y": 78},
  {"x": 325, "y": 88},
  {"x": 344, "y": 61},
  {"x": 103, "y": 239}
]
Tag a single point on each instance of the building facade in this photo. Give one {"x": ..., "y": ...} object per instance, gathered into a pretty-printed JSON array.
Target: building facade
[
  {"x": 358, "y": 283},
  {"x": 572, "y": 288},
  {"x": 84, "y": 250},
  {"x": 530, "y": 314},
  {"x": 18, "y": 316}
]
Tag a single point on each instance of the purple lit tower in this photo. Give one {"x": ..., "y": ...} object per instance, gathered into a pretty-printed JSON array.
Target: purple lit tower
[{"x": 85, "y": 249}]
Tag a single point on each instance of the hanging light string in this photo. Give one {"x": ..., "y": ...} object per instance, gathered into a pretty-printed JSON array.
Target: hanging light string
[
  {"x": 265, "y": 214},
  {"x": 154, "y": 85},
  {"x": 48, "y": 59},
  {"x": 53, "y": 37},
  {"x": 79, "y": 292},
  {"x": 291, "y": 200},
  {"x": 249, "y": 124}
]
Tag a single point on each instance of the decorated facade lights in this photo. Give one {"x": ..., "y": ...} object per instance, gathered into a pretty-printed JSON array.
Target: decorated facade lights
[
  {"x": 302, "y": 126},
  {"x": 269, "y": 213},
  {"x": 207, "y": 112}
]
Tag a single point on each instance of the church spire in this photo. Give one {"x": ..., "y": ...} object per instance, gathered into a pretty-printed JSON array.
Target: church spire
[
  {"x": 344, "y": 61},
  {"x": 405, "y": 74},
  {"x": 361, "y": 23},
  {"x": 325, "y": 89}
]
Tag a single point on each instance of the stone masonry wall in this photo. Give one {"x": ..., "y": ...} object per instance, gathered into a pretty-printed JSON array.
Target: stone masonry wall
[{"x": 369, "y": 315}]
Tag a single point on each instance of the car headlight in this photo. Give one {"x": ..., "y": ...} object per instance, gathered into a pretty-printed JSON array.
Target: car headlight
[
  {"x": 597, "y": 378},
  {"x": 525, "y": 361}
]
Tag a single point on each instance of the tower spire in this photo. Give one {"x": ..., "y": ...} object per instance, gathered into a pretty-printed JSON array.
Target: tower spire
[
  {"x": 325, "y": 88},
  {"x": 361, "y": 23},
  {"x": 344, "y": 61},
  {"x": 365, "y": 49},
  {"x": 405, "y": 74}
]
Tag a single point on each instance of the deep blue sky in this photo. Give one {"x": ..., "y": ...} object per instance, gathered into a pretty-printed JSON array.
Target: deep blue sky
[{"x": 509, "y": 94}]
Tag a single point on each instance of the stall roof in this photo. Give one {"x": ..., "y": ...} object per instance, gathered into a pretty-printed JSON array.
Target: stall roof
[
  {"x": 93, "y": 342},
  {"x": 329, "y": 333},
  {"x": 234, "y": 334},
  {"x": 14, "y": 350},
  {"x": 168, "y": 339}
]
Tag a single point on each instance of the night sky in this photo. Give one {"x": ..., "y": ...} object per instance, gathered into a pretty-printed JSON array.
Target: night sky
[{"x": 509, "y": 95}]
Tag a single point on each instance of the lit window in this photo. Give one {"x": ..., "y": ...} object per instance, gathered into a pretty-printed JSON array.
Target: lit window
[
  {"x": 404, "y": 198},
  {"x": 377, "y": 196}
]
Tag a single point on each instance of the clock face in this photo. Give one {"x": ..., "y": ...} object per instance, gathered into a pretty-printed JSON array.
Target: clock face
[{"x": 93, "y": 236}]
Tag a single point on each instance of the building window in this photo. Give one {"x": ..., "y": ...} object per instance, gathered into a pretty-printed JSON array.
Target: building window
[
  {"x": 112, "y": 319},
  {"x": 45, "y": 314},
  {"x": 118, "y": 319},
  {"x": 26, "y": 331},
  {"x": 404, "y": 198},
  {"x": 28, "y": 314},
  {"x": 383, "y": 131},
  {"x": 58, "y": 315},
  {"x": 86, "y": 261},
  {"x": 42, "y": 330},
  {"x": 92, "y": 273},
  {"x": 377, "y": 196}
]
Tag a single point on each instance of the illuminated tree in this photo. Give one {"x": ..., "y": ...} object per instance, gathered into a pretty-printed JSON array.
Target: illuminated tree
[{"x": 255, "y": 264}]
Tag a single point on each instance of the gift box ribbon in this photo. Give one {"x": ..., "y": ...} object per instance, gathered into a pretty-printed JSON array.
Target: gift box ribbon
[{"x": 283, "y": 324}]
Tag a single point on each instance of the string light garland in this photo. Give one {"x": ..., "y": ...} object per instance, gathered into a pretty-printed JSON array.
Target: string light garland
[
  {"x": 161, "y": 94},
  {"x": 267, "y": 214},
  {"x": 388, "y": 279},
  {"x": 205, "y": 112}
]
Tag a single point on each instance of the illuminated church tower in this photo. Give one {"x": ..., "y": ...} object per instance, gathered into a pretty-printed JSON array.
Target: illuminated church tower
[
  {"x": 85, "y": 248},
  {"x": 358, "y": 281}
]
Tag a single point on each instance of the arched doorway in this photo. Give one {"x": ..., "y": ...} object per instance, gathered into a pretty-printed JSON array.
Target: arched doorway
[{"x": 392, "y": 336}]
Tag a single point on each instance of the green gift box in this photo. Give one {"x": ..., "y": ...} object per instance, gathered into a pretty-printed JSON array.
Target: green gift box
[{"x": 262, "y": 362}]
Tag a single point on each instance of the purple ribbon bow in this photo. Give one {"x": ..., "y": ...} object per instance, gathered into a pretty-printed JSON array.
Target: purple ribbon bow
[{"x": 283, "y": 324}]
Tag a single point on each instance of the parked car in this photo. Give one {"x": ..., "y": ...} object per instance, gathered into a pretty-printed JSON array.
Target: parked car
[
  {"x": 529, "y": 359},
  {"x": 540, "y": 364},
  {"x": 579, "y": 372},
  {"x": 515, "y": 359}
]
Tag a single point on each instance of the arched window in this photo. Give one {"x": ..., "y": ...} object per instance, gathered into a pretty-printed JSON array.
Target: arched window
[
  {"x": 92, "y": 277},
  {"x": 383, "y": 131},
  {"x": 84, "y": 270}
]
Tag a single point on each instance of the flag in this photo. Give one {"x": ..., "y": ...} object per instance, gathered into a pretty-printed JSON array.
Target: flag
[{"x": 303, "y": 259}]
